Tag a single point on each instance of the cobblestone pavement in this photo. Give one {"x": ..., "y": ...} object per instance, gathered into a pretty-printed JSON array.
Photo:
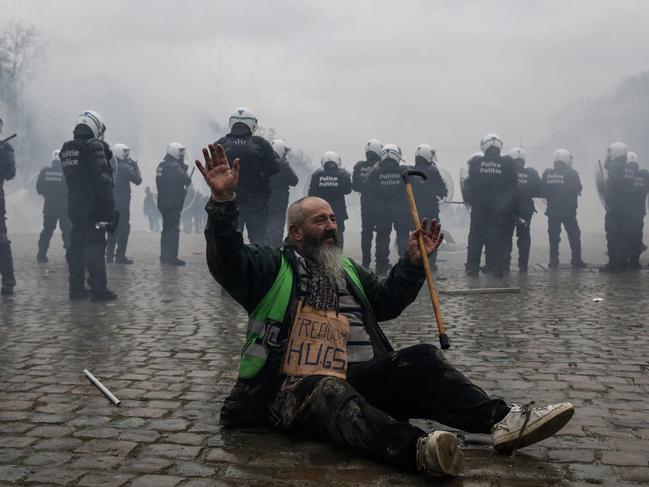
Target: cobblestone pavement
[{"x": 168, "y": 348}]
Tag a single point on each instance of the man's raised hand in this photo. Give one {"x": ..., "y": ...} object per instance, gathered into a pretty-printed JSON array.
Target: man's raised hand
[
  {"x": 432, "y": 235},
  {"x": 221, "y": 179}
]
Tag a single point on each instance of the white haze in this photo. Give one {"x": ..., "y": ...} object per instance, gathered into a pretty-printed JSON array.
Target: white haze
[{"x": 329, "y": 74}]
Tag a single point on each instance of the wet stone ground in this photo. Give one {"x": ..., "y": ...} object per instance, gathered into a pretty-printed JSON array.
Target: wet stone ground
[{"x": 168, "y": 349}]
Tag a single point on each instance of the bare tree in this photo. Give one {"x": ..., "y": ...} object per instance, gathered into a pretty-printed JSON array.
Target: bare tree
[{"x": 20, "y": 52}]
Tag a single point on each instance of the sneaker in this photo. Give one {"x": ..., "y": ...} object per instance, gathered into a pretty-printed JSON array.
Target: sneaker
[
  {"x": 79, "y": 294},
  {"x": 438, "y": 453},
  {"x": 524, "y": 425},
  {"x": 102, "y": 295},
  {"x": 176, "y": 262},
  {"x": 41, "y": 259},
  {"x": 578, "y": 264},
  {"x": 122, "y": 259}
]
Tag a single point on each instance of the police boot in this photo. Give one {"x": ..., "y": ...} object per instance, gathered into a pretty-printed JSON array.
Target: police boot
[
  {"x": 554, "y": 262},
  {"x": 634, "y": 264},
  {"x": 471, "y": 270},
  {"x": 7, "y": 290},
  {"x": 102, "y": 295},
  {"x": 41, "y": 258},
  {"x": 122, "y": 259},
  {"x": 611, "y": 267}
]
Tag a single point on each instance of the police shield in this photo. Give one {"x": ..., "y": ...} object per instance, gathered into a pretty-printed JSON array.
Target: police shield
[
  {"x": 448, "y": 180},
  {"x": 600, "y": 183}
]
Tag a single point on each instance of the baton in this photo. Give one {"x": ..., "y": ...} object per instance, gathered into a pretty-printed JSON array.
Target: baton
[{"x": 102, "y": 387}]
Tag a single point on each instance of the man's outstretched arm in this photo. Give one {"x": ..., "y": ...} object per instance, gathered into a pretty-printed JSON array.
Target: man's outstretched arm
[{"x": 245, "y": 271}]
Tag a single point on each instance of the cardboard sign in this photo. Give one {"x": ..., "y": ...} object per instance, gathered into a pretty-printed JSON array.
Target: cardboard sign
[{"x": 317, "y": 344}]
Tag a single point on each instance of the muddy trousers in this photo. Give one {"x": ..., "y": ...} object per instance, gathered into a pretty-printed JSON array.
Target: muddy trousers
[{"x": 370, "y": 411}]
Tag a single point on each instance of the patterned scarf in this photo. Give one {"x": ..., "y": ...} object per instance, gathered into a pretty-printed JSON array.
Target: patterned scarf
[{"x": 321, "y": 292}]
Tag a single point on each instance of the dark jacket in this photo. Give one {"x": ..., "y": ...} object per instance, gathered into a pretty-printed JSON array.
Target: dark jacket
[
  {"x": 52, "y": 187},
  {"x": 280, "y": 184},
  {"x": 7, "y": 171},
  {"x": 171, "y": 181},
  {"x": 529, "y": 186},
  {"x": 561, "y": 187},
  {"x": 618, "y": 184},
  {"x": 388, "y": 190},
  {"x": 258, "y": 164},
  {"x": 493, "y": 182},
  {"x": 126, "y": 172},
  {"x": 332, "y": 184},
  {"x": 430, "y": 191},
  {"x": 247, "y": 273},
  {"x": 88, "y": 176},
  {"x": 638, "y": 194}
]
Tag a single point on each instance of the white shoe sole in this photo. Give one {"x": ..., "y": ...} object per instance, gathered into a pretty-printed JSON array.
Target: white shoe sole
[
  {"x": 537, "y": 431},
  {"x": 449, "y": 456}
]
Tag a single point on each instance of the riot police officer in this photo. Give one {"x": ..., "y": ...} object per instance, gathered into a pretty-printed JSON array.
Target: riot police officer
[
  {"x": 88, "y": 175},
  {"x": 172, "y": 182},
  {"x": 492, "y": 181},
  {"x": 637, "y": 210},
  {"x": 52, "y": 187},
  {"x": 258, "y": 164},
  {"x": 617, "y": 188},
  {"x": 389, "y": 196},
  {"x": 125, "y": 173},
  {"x": 331, "y": 183},
  {"x": 561, "y": 188},
  {"x": 529, "y": 187},
  {"x": 360, "y": 176},
  {"x": 7, "y": 172},
  {"x": 429, "y": 191},
  {"x": 280, "y": 185}
]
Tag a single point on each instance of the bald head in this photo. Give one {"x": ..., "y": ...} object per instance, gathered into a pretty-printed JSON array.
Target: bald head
[{"x": 311, "y": 220}]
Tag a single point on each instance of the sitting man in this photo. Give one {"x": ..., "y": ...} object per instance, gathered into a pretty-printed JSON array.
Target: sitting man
[{"x": 315, "y": 359}]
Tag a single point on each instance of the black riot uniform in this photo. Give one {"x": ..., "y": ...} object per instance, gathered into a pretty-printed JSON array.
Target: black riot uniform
[
  {"x": 332, "y": 183},
  {"x": 428, "y": 194},
  {"x": 172, "y": 182},
  {"x": 561, "y": 187},
  {"x": 280, "y": 184},
  {"x": 52, "y": 187},
  {"x": 360, "y": 176},
  {"x": 492, "y": 183},
  {"x": 619, "y": 182},
  {"x": 637, "y": 210},
  {"x": 126, "y": 172},
  {"x": 529, "y": 187},
  {"x": 91, "y": 210},
  {"x": 7, "y": 172},
  {"x": 258, "y": 164},
  {"x": 386, "y": 185}
]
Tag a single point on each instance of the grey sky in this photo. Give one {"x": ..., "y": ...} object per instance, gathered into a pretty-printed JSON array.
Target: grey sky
[{"x": 330, "y": 74}]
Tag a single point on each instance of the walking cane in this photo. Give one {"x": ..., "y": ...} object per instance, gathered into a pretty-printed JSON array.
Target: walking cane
[{"x": 441, "y": 328}]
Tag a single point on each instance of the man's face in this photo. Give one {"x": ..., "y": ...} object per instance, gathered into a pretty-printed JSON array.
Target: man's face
[{"x": 319, "y": 227}]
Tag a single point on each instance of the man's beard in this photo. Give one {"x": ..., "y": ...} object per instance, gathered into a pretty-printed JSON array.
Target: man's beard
[{"x": 328, "y": 257}]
